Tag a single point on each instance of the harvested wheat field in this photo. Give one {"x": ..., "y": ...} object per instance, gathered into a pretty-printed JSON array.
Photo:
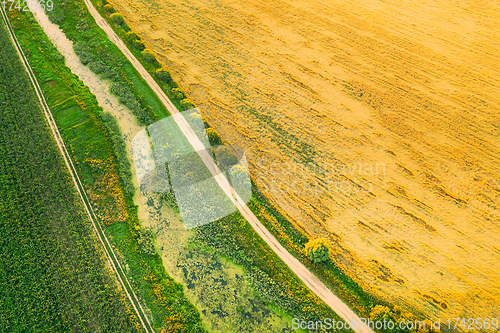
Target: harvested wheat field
[{"x": 397, "y": 102}]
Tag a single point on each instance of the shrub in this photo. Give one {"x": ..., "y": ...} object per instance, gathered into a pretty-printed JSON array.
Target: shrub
[
  {"x": 196, "y": 116},
  {"x": 109, "y": 9},
  {"x": 125, "y": 96},
  {"x": 130, "y": 37},
  {"x": 117, "y": 18},
  {"x": 177, "y": 93},
  {"x": 149, "y": 56},
  {"x": 84, "y": 53},
  {"x": 111, "y": 73},
  {"x": 138, "y": 44},
  {"x": 163, "y": 75},
  {"x": 380, "y": 312},
  {"x": 397, "y": 315},
  {"x": 97, "y": 67},
  {"x": 239, "y": 173},
  {"x": 318, "y": 250},
  {"x": 226, "y": 157},
  {"x": 213, "y": 137},
  {"x": 186, "y": 103}
]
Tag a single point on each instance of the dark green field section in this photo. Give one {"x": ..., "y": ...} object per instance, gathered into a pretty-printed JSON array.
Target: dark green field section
[{"x": 53, "y": 276}]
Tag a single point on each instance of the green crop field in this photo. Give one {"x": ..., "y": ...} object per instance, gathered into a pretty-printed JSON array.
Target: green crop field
[{"x": 53, "y": 276}]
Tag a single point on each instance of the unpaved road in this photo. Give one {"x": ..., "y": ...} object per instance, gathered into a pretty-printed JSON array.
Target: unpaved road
[
  {"x": 112, "y": 259},
  {"x": 309, "y": 279}
]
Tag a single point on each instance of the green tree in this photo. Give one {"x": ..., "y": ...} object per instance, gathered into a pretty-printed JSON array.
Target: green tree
[
  {"x": 318, "y": 250},
  {"x": 239, "y": 173},
  {"x": 163, "y": 75},
  {"x": 138, "y": 44},
  {"x": 149, "y": 56},
  {"x": 130, "y": 37},
  {"x": 226, "y": 157},
  {"x": 109, "y": 9},
  {"x": 213, "y": 137},
  {"x": 177, "y": 93},
  {"x": 380, "y": 312},
  {"x": 195, "y": 116},
  {"x": 117, "y": 18},
  {"x": 186, "y": 103}
]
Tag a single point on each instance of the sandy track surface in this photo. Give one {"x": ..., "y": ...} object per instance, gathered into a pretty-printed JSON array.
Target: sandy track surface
[{"x": 410, "y": 88}]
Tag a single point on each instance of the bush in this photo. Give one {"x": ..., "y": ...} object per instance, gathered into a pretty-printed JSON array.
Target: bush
[
  {"x": 111, "y": 73},
  {"x": 213, "y": 137},
  {"x": 109, "y": 9},
  {"x": 380, "y": 312},
  {"x": 138, "y": 45},
  {"x": 196, "y": 116},
  {"x": 149, "y": 57},
  {"x": 97, "y": 67},
  {"x": 130, "y": 37},
  {"x": 225, "y": 156},
  {"x": 163, "y": 75},
  {"x": 125, "y": 96},
  {"x": 239, "y": 173},
  {"x": 186, "y": 103},
  {"x": 177, "y": 94},
  {"x": 117, "y": 18},
  {"x": 397, "y": 315},
  {"x": 318, "y": 250},
  {"x": 84, "y": 53}
]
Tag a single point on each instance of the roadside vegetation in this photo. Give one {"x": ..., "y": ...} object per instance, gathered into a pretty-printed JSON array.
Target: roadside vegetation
[
  {"x": 318, "y": 250},
  {"x": 53, "y": 272},
  {"x": 95, "y": 142}
]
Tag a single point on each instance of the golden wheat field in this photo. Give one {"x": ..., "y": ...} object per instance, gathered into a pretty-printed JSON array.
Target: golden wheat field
[{"x": 397, "y": 102}]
